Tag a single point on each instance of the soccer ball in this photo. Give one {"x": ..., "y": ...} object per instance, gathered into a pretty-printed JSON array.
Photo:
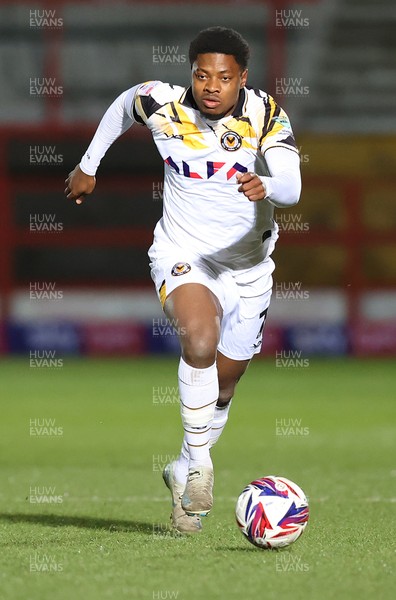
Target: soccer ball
[{"x": 272, "y": 512}]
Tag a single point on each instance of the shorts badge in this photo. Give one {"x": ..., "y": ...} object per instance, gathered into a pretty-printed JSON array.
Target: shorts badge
[{"x": 180, "y": 269}]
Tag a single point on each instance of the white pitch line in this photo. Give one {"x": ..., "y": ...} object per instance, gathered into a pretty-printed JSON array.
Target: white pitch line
[{"x": 129, "y": 499}]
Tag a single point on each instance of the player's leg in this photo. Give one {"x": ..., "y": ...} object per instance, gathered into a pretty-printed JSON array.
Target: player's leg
[
  {"x": 241, "y": 338},
  {"x": 196, "y": 313},
  {"x": 229, "y": 373}
]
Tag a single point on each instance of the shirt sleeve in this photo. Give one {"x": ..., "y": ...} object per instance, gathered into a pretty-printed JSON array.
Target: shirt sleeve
[
  {"x": 118, "y": 118},
  {"x": 284, "y": 186},
  {"x": 276, "y": 130}
]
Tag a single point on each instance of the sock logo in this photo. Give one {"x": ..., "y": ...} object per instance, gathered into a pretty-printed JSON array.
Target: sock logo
[{"x": 180, "y": 269}]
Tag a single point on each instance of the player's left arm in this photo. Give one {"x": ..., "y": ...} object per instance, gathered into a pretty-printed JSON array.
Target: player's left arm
[
  {"x": 283, "y": 188},
  {"x": 278, "y": 147}
]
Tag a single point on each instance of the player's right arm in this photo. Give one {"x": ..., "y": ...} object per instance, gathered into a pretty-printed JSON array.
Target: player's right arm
[{"x": 117, "y": 119}]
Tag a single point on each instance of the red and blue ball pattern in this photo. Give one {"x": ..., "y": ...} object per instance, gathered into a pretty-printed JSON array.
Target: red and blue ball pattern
[{"x": 272, "y": 512}]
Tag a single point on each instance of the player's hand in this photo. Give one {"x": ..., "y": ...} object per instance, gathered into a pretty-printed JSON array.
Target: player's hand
[
  {"x": 251, "y": 186},
  {"x": 79, "y": 185}
]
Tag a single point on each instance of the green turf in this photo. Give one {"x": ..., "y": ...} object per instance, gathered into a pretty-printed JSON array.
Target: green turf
[{"x": 108, "y": 535}]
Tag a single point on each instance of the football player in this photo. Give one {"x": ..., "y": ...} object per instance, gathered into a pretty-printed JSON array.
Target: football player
[{"x": 230, "y": 157}]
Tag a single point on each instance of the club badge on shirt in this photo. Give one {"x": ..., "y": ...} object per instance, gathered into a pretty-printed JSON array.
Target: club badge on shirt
[{"x": 231, "y": 141}]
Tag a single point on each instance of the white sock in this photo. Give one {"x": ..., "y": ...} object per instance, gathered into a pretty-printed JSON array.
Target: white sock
[
  {"x": 199, "y": 390},
  {"x": 219, "y": 422},
  {"x": 181, "y": 465}
]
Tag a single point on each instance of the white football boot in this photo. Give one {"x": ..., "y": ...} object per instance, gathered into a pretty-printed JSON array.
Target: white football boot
[
  {"x": 198, "y": 495},
  {"x": 180, "y": 520}
]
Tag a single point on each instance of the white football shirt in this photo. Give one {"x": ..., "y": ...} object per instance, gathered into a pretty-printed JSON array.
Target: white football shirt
[{"x": 203, "y": 210}]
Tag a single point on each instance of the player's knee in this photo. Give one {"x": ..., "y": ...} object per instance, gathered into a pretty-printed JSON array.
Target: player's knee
[{"x": 199, "y": 348}]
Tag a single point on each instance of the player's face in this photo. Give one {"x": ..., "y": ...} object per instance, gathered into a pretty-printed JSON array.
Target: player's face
[{"x": 216, "y": 82}]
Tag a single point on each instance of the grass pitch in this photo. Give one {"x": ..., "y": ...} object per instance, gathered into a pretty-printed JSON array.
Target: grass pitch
[{"x": 84, "y": 513}]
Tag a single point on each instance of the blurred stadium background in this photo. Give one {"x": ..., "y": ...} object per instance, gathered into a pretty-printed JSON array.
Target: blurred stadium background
[{"x": 75, "y": 280}]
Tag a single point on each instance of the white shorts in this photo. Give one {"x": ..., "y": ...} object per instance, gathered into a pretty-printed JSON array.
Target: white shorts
[{"x": 244, "y": 295}]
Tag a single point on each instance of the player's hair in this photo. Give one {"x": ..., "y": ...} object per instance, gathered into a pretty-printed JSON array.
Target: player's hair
[{"x": 222, "y": 41}]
